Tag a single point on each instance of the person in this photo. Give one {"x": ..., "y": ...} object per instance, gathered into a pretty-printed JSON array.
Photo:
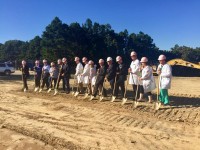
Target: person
[
  {"x": 45, "y": 75},
  {"x": 165, "y": 72},
  {"x": 53, "y": 76},
  {"x": 37, "y": 74},
  {"x": 111, "y": 73},
  {"x": 86, "y": 73},
  {"x": 79, "y": 71},
  {"x": 99, "y": 80},
  {"x": 134, "y": 71},
  {"x": 147, "y": 78},
  {"x": 60, "y": 77},
  {"x": 121, "y": 72},
  {"x": 25, "y": 75},
  {"x": 92, "y": 77},
  {"x": 66, "y": 75}
]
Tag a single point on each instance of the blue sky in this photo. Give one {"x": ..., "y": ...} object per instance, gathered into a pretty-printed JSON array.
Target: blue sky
[{"x": 168, "y": 22}]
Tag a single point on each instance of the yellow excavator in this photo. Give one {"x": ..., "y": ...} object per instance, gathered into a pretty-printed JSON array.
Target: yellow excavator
[{"x": 183, "y": 68}]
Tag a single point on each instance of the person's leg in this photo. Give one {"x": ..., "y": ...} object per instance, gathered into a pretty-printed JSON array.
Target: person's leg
[
  {"x": 63, "y": 82},
  {"x": 149, "y": 94},
  {"x": 140, "y": 93},
  {"x": 25, "y": 83},
  {"x": 134, "y": 90},
  {"x": 67, "y": 85},
  {"x": 164, "y": 97},
  {"x": 122, "y": 85},
  {"x": 96, "y": 87}
]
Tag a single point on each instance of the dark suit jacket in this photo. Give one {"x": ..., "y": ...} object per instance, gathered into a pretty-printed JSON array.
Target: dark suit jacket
[
  {"x": 101, "y": 74},
  {"x": 111, "y": 72},
  {"x": 25, "y": 70},
  {"x": 66, "y": 70},
  {"x": 122, "y": 70}
]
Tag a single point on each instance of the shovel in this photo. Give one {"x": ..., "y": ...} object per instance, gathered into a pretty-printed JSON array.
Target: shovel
[
  {"x": 125, "y": 99},
  {"x": 114, "y": 97},
  {"x": 157, "y": 103},
  {"x": 73, "y": 92},
  {"x": 49, "y": 90}
]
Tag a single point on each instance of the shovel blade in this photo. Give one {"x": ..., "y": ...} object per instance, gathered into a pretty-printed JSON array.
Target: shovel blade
[
  {"x": 76, "y": 94},
  {"x": 135, "y": 104},
  {"x": 36, "y": 89},
  {"x": 85, "y": 96},
  {"x": 24, "y": 89},
  {"x": 49, "y": 90},
  {"x": 56, "y": 91},
  {"x": 157, "y": 105},
  {"x": 124, "y": 101},
  {"x": 73, "y": 93},
  {"x": 101, "y": 98},
  {"x": 113, "y": 98}
]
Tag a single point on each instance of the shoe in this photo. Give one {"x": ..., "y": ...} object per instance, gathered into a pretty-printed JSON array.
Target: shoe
[
  {"x": 67, "y": 92},
  {"x": 113, "y": 98},
  {"x": 40, "y": 90}
]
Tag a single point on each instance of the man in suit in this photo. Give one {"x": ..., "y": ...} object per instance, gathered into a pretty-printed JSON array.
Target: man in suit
[
  {"x": 37, "y": 75},
  {"x": 45, "y": 75},
  {"x": 111, "y": 73},
  {"x": 66, "y": 75},
  {"x": 121, "y": 72},
  {"x": 101, "y": 73},
  {"x": 25, "y": 75}
]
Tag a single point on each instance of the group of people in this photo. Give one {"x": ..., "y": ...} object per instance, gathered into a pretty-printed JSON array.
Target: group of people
[{"x": 140, "y": 77}]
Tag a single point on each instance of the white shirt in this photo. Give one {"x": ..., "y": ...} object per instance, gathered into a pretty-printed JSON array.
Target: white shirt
[
  {"x": 79, "y": 69},
  {"x": 148, "y": 79},
  {"x": 86, "y": 70},
  {"x": 135, "y": 71},
  {"x": 165, "y": 76}
]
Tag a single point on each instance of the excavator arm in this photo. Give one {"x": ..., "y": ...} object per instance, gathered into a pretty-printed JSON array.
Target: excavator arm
[{"x": 181, "y": 62}]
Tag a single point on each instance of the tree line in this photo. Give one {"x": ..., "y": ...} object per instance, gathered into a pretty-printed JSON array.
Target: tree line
[{"x": 92, "y": 40}]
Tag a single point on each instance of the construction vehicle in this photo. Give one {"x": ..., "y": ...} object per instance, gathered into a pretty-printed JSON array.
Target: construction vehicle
[{"x": 182, "y": 68}]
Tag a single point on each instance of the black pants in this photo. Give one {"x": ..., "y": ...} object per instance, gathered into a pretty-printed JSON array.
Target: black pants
[
  {"x": 63, "y": 85},
  {"x": 66, "y": 84},
  {"x": 112, "y": 82},
  {"x": 140, "y": 90},
  {"x": 53, "y": 82},
  {"x": 99, "y": 85},
  {"x": 119, "y": 83},
  {"x": 45, "y": 81},
  {"x": 149, "y": 93},
  {"x": 25, "y": 86},
  {"x": 37, "y": 81}
]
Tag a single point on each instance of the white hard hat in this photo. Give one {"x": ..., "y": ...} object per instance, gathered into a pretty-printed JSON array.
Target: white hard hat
[
  {"x": 133, "y": 53},
  {"x": 76, "y": 59},
  {"x": 37, "y": 61},
  {"x": 44, "y": 61},
  {"x": 101, "y": 61},
  {"x": 118, "y": 58},
  {"x": 90, "y": 62},
  {"x": 162, "y": 57},
  {"x": 84, "y": 59},
  {"x": 109, "y": 59},
  {"x": 64, "y": 59},
  {"x": 144, "y": 60}
]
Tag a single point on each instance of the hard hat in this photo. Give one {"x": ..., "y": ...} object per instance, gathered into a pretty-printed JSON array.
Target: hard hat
[
  {"x": 84, "y": 59},
  {"x": 76, "y": 59},
  {"x": 64, "y": 59},
  {"x": 44, "y": 61},
  {"x": 144, "y": 60},
  {"x": 101, "y": 61},
  {"x": 118, "y": 58},
  {"x": 109, "y": 59},
  {"x": 37, "y": 61},
  {"x": 90, "y": 62},
  {"x": 133, "y": 53},
  {"x": 162, "y": 57}
]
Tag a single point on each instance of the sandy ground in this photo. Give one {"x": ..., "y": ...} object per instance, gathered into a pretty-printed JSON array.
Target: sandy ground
[{"x": 39, "y": 121}]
